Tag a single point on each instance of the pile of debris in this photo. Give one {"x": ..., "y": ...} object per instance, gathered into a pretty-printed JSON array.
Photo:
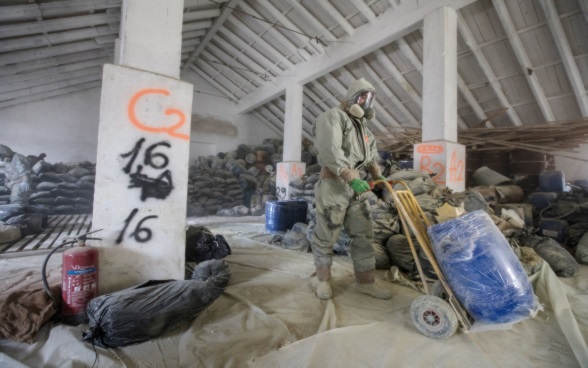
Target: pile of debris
[{"x": 502, "y": 201}]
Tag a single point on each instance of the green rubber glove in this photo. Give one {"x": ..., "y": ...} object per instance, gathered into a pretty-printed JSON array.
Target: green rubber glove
[{"x": 359, "y": 186}]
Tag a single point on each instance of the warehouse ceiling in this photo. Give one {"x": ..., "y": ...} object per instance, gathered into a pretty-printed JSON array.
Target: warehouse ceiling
[{"x": 520, "y": 62}]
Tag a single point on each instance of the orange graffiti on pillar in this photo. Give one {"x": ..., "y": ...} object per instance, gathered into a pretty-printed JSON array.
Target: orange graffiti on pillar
[
  {"x": 297, "y": 171},
  {"x": 429, "y": 148},
  {"x": 282, "y": 174},
  {"x": 171, "y": 130}
]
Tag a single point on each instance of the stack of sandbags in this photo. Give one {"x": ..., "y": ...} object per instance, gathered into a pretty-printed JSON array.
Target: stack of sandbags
[
  {"x": 264, "y": 193},
  {"x": 64, "y": 188},
  {"x": 210, "y": 190}
]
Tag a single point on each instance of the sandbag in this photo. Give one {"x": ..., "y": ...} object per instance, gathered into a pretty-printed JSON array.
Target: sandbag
[
  {"x": 399, "y": 252},
  {"x": 202, "y": 245},
  {"x": 559, "y": 259},
  {"x": 582, "y": 250},
  {"x": 29, "y": 223},
  {"x": 147, "y": 311},
  {"x": 9, "y": 233},
  {"x": 482, "y": 269}
]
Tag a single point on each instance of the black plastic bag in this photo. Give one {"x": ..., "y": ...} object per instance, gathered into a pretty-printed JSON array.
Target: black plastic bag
[
  {"x": 202, "y": 245},
  {"x": 147, "y": 311}
]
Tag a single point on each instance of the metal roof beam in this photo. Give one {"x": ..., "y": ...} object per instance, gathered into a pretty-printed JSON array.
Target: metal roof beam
[
  {"x": 523, "y": 59},
  {"x": 52, "y": 62},
  {"x": 50, "y": 87},
  {"x": 61, "y": 24},
  {"x": 47, "y": 79},
  {"x": 261, "y": 59},
  {"x": 218, "y": 23},
  {"x": 333, "y": 12},
  {"x": 275, "y": 33},
  {"x": 281, "y": 18},
  {"x": 298, "y": 7},
  {"x": 471, "y": 42},
  {"x": 373, "y": 76},
  {"x": 563, "y": 47},
  {"x": 214, "y": 83},
  {"x": 200, "y": 14},
  {"x": 242, "y": 60},
  {"x": 257, "y": 39},
  {"x": 42, "y": 53},
  {"x": 54, "y": 93},
  {"x": 267, "y": 122},
  {"x": 388, "y": 27}
]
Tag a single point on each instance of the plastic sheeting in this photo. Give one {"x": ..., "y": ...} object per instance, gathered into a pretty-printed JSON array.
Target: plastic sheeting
[{"x": 270, "y": 317}]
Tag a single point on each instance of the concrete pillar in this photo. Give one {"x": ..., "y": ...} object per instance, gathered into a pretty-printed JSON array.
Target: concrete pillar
[
  {"x": 293, "y": 123},
  {"x": 439, "y": 153},
  {"x": 143, "y": 149},
  {"x": 291, "y": 168},
  {"x": 151, "y": 35}
]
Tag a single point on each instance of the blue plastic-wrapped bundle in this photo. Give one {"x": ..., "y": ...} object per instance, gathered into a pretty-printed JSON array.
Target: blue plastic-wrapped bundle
[{"x": 482, "y": 270}]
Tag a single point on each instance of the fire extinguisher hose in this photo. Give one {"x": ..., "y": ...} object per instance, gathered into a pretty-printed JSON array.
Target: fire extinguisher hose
[{"x": 44, "y": 273}]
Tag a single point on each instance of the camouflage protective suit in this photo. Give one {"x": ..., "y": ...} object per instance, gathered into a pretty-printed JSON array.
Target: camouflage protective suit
[
  {"x": 18, "y": 173},
  {"x": 344, "y": 144}
]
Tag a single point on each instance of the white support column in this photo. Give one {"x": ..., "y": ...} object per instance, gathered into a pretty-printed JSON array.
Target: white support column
[
  {"x": 291, "y": 168},
  {"x": 440, "y": 153},
  {"x": 143, "y": 149},
  {"x": 440, "y": 76},
  {"x": 293, "y": 123},
  {"x": 151, "y": 35}
]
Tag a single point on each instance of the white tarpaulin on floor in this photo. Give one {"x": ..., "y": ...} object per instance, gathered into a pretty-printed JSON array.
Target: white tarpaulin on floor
[{"x": 270, "y": 317}]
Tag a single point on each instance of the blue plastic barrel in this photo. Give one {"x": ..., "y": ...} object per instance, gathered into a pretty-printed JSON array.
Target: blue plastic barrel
[
  {"x": 553, "y": 228},
  {"x": 552, "y": 181},
  {"x": 406, "y": 164},
  {"x": 540, "y": 200},
  {"x": 280, "y": 216},
  {"x": 482, "y": 270}
]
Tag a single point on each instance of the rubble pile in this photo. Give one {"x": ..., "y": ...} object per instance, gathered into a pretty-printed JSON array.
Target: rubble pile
[{"x": 519, "y": 222}]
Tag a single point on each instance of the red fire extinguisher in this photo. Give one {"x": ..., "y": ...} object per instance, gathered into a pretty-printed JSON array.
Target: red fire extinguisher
[{"x": 79, "y": 280}]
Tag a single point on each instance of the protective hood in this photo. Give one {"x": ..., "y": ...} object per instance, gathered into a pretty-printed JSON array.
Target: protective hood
[{"x": 358, "y": 86}]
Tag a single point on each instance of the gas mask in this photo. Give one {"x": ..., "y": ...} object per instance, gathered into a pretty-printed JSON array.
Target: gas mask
[{"x": 361, "y": 105}]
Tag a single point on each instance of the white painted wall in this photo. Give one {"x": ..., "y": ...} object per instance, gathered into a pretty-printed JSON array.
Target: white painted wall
[
  {"x": 66, "y": 127},
  {"x": 574, "y": 169},
  {"x": 216, "y": 124}
]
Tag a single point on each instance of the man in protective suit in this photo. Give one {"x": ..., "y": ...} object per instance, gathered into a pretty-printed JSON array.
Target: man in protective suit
[
  {"x": 344, "y": 145},
  {"x": 18, "y": 172}
]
